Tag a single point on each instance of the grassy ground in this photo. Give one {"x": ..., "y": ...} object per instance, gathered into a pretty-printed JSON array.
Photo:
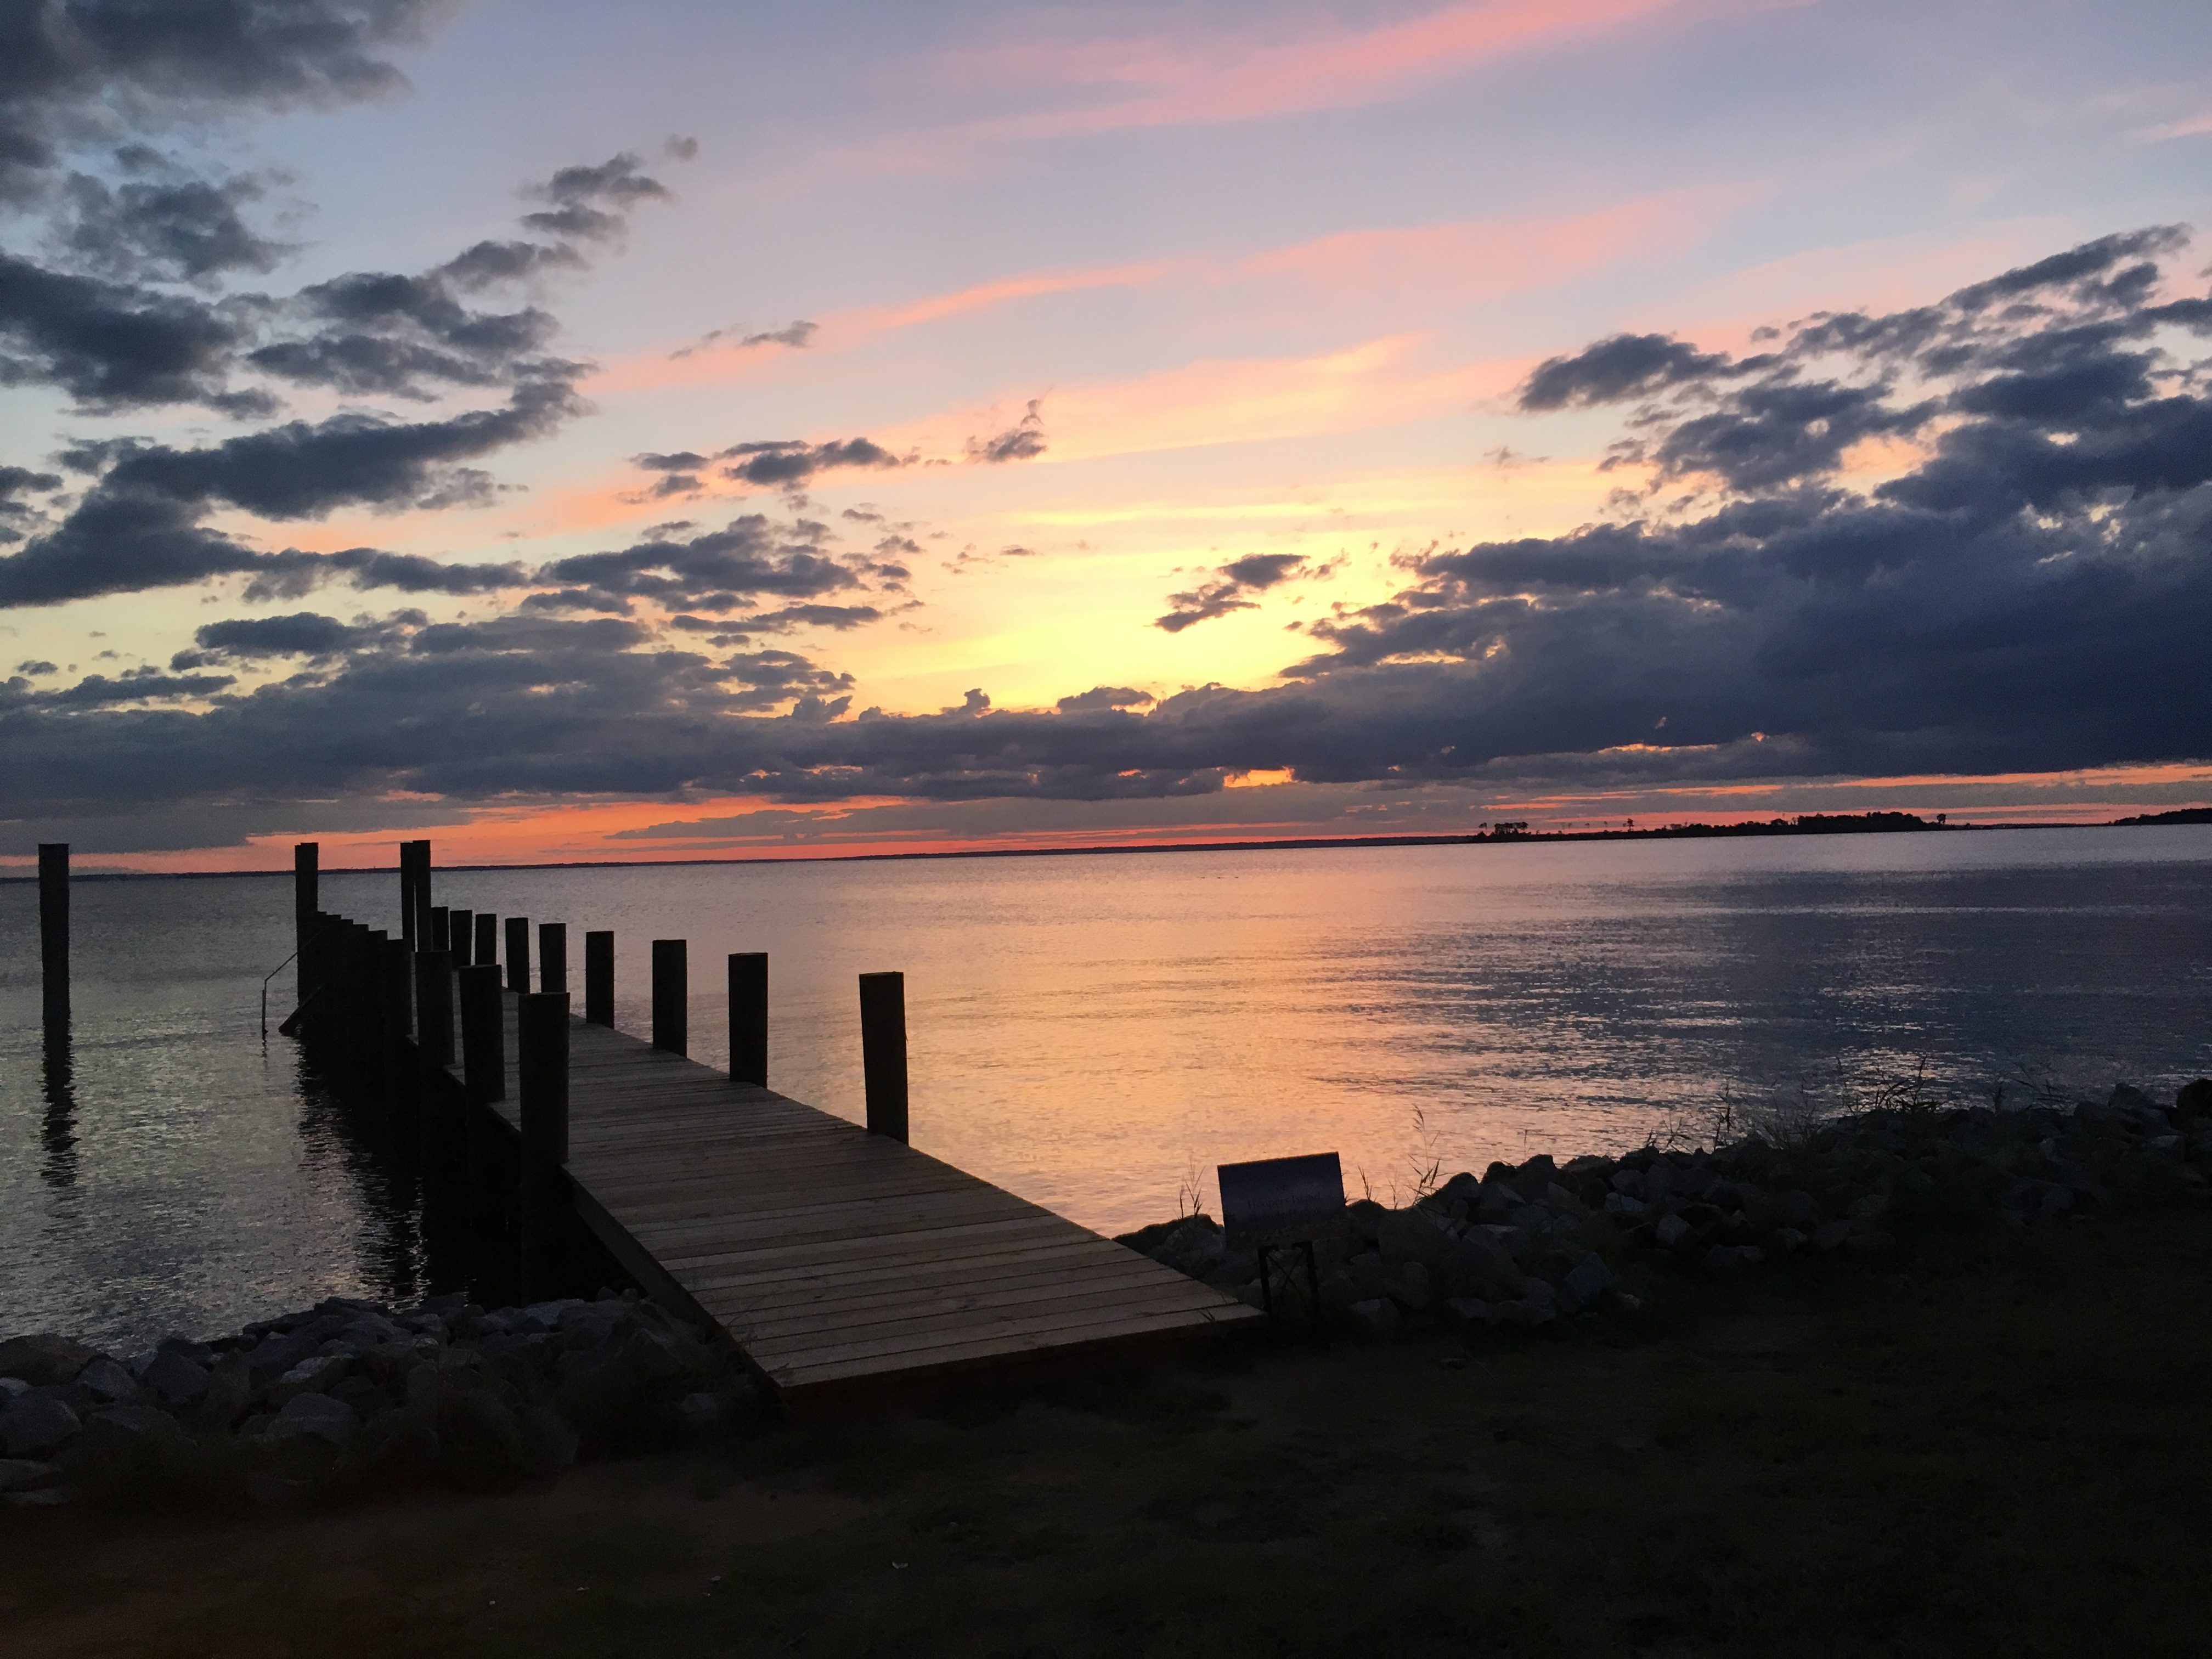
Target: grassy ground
[{"x": 1984, "y": 1443}]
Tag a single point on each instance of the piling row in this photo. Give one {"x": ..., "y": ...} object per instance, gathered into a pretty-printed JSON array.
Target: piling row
[{"x": 418, "y": 1020}]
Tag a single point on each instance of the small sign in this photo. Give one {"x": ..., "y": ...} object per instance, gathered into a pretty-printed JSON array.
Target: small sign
[{"x": 1282, "y": 1200}]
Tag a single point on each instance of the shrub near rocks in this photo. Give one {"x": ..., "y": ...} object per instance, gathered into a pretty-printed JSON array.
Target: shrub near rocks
[
  {"x": 1530, "y": 1244},
  {"x": 348, "y": 1395}
]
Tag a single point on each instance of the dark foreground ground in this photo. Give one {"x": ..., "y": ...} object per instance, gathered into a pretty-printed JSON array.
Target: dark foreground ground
[{"x": 1992, "y": 1442}]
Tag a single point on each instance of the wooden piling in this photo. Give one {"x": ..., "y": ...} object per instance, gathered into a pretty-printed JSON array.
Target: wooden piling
[
  {"x": 306, "y": 905},
  {"x": 518, "y": 954},
  {"x": 552, "y": 956},
  {"x": 542, "y": 1062},
  {"x": 487, "y": 938},
  {"x": 483, "y": 1033},
  {"x": 460, "y": 939},
  {"x": 54, "y": 930},
  {"x": 442, "y": 930},
  {"x": 434, "y": 1007},
  {"x": 671, "y": 996},
  {"x": 407, "y": 896},
  {"x": 882, "y": 1052},
  {"x": 423, "y": 895},
  {"x": 395, "y": 981},
  {"x": 599, "y": 978},
  {"x": 748, "y": 1017}
]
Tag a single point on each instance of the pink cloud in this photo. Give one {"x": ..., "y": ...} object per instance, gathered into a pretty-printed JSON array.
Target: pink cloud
[{"x": 1180, "y": 81}]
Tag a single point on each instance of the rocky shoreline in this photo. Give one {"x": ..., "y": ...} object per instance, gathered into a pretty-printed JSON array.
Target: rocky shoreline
[
  {"x": 350, "y": 1394},
  {"x": 1527, "y": 1244}
]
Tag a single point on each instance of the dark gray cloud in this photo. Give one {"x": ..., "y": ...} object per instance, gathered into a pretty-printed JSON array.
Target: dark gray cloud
[
  {"x": 173, "y": 227},
  {"x": 140, "y": 526},
  {"x": 771, "y": 464},
  {"x": 2026, "y": 590},
  {"x": 1256, "y": 572},
  {"x": 592, "y": 204},
  {"x": 114, "y": 345},
  {"x": 68, "y": 67},
  {"x": 1625, "y": 366},
  {"x": 718, "y": 570},
  {"x": 798, "y": 335},
  {"x": 1022, "y": 441}
]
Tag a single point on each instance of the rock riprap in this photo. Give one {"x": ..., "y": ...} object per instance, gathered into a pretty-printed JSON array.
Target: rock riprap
[
  {"x": 350, "y": 1392},
  {"x": 1527, "y": 1244}
]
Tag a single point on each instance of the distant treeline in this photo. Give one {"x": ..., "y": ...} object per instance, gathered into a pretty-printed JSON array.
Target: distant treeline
[
  {"x": 2185, "y": 815},
  {"x": 1805, "y": 823}
]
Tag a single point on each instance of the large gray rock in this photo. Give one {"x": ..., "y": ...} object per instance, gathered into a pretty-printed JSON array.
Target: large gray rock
[
  {"x": 107, "y": 1380},
  {"x": 176, "y": 1381},
  {"x": 1470, "y": 1312},
  {"x": 1377, "y": 1319},
  {"x": 35, "y": 1424},
  {"x": 226, "y": 1392},
  {"x": 1409, "y": 1287},
  {"x": 1671, "y": 1230},
  {"x": 1479, "y": 1266},
  {"x": 317, "y": 1374},
  {"x": 1590, "y": 1280},
  {"x": 45, "y": 1359},
  {"x": 316, "y": 1417},
  {"x": 133, "y": 1420},
  {"x": 1411, "y": 1236}
]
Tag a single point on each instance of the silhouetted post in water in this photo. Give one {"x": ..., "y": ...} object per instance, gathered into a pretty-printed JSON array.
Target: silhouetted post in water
[
  {"x": 460, "y": 932},
  {"x": 883, "y": 1052},
  {"x": 306, "y": 905},
  {"x": 422, "y": 894},
  {"x": 552, "y": 956},
  {"x": 748, "y": 1017},
  {"x": 407, "y": 894},
  {"x": 542, "y": 1057},
  {"x": 671, "y": 996},
  {"x": 442, "y": 930},
  {"x": 599, "y": 978},
  {"x": 53, "y": 929},
  {"x": 518, "y": 953},
  {"x": 365, "y": 1056},
  {"x": 434, "y": 1007},
  {"x": 487, "y": 938},
  {"x": 483, "y": 1034}
]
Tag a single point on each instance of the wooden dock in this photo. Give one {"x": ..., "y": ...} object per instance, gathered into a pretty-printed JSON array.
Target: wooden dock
[{"x": 837, "y": 1260}]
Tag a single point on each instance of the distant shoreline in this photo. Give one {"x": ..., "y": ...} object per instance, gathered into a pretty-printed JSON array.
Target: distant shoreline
[{"x": 1809, "y": 823}]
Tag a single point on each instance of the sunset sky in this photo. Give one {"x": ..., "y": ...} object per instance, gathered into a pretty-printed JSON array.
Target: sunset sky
[{"x": 581, "y": 431}]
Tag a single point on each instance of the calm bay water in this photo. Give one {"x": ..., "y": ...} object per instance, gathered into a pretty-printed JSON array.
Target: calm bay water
[{"x": 1097, "y": 1034}]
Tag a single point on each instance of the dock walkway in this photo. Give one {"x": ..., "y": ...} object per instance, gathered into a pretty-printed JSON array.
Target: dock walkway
[{"x": 835, "y": 1259}]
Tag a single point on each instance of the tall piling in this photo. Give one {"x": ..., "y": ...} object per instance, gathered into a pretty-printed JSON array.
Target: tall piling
[
  {"x": 518, "y": 954},
  {"x": 748, "y": 1017},
  {"x": 882, "y": 1052},
  {"x": 487, "y": 938},
  {"x": 460, "y": 936},
  {"x": 552, "y": 956},
  {"x": 671, "y": 996},
  {"x": 306, "y": 902},
  {"x": 599, "y": 978},
  {"x": 434, "y": 1007},
  {"x": 54, "y": 930},
  {"x": 422, "y": 941}
]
